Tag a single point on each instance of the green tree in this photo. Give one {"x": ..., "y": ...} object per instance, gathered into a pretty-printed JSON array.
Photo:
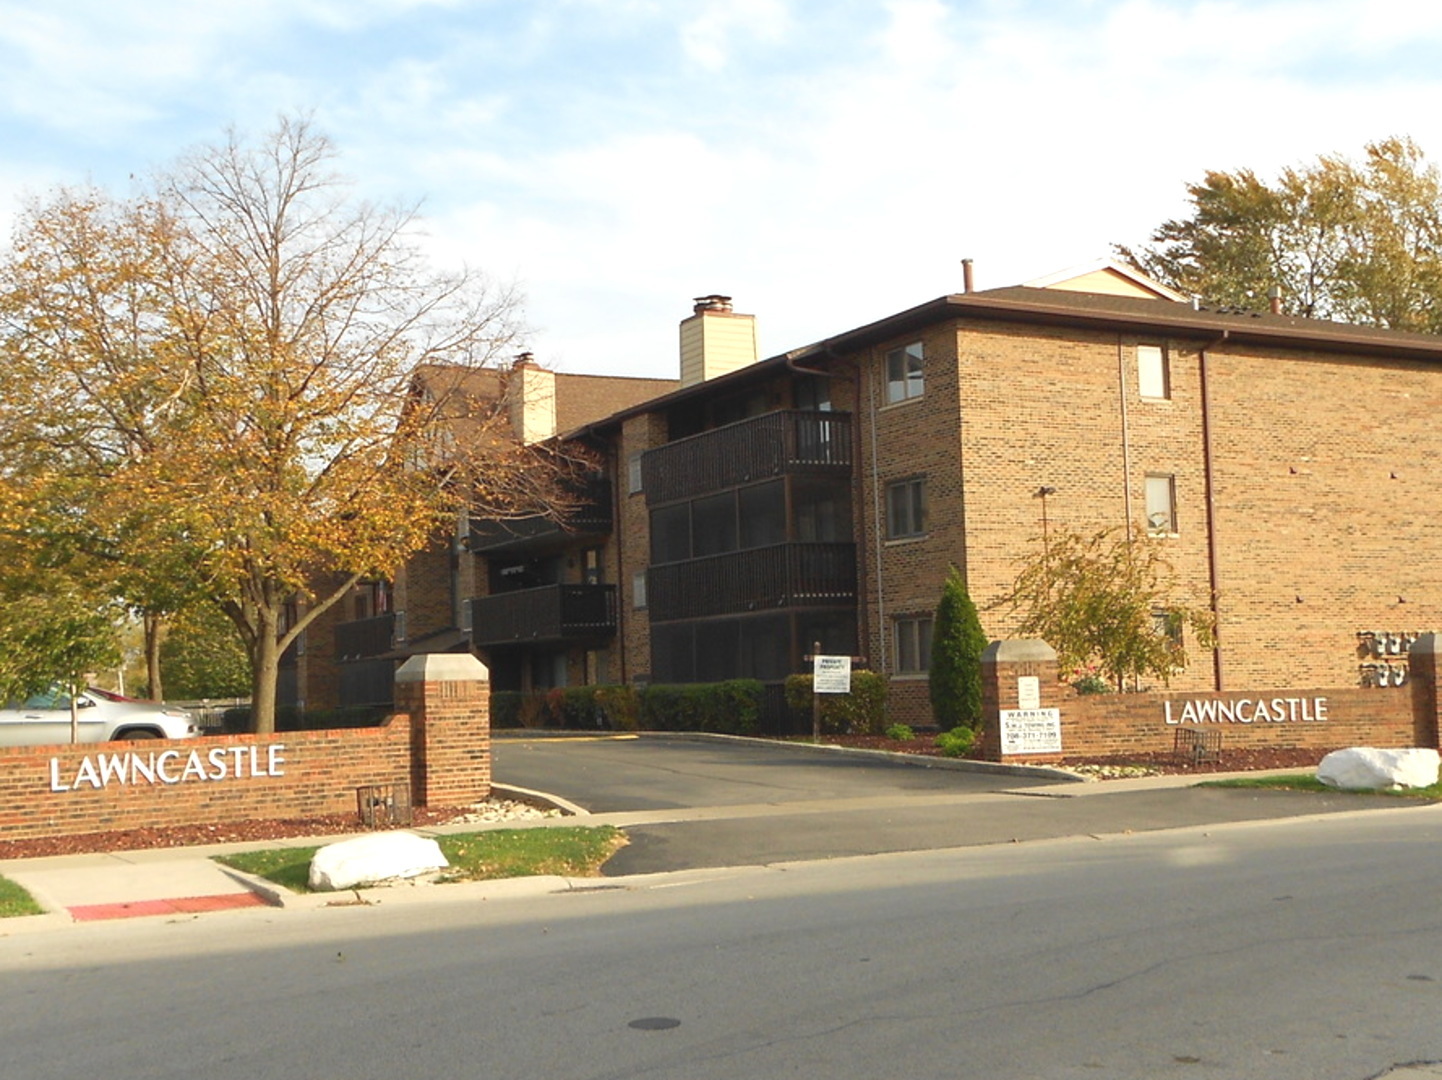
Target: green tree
[
  {"x": 1354, "y": 241},
  {"x": 53, "y": 636},
  {"x": 220, "y": 379},
  {"x": 202, "y": 656},
  {"x": 1107, "y": 600},
  {"x": 957, "y": 643}
]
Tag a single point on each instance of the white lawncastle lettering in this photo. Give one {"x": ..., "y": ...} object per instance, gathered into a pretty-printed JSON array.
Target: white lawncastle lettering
[
  {"x": 169, "y": 767},
  {"x": 1275, "y": 710}
]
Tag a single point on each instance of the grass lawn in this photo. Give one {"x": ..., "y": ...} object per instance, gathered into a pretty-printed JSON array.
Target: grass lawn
[
  {"x": 574, "y": 851},
  {"x": 16, "y": 901},
  {"x": 1309, "y": 782}
]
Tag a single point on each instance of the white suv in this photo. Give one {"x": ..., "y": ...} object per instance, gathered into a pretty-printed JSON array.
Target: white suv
[{"x": 44, "y": 719}]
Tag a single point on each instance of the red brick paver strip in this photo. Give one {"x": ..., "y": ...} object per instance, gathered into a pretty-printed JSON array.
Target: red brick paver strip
[{"x": 188, "y": 905}]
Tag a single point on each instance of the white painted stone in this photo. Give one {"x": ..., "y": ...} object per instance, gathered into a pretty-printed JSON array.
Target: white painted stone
[
  {"x": 1361, "y": 768},
  {"x": 375, "y": 857}
]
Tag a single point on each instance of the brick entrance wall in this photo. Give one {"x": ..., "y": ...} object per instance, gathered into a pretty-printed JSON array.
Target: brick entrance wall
[
  {"x": 1119, "y": 724},
  {"x": 441, "y": 747}
]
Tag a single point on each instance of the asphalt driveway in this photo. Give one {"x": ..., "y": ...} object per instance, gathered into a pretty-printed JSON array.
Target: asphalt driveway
[
  {"x": 693, "y": 803},
  {"x": 606, "y": 774}
]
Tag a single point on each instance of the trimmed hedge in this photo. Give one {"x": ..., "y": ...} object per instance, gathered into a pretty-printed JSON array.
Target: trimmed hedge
[
  {"x": 732, "y": 707},
  {"x": 861, "y": 712}
]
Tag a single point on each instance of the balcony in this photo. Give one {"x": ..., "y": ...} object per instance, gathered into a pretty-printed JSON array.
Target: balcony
[
  {"x": 771, "y": 445},
  {"x": 550, "y": 613},
  {"x": 375, "y": 636},
  {"x": 780, "y": 576},
  {"x": 589, "y": 518}
]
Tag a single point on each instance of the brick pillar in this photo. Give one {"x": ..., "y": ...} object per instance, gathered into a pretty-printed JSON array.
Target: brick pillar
[
  {"x": 1422, "y": 674},
  {"x": 448, "y": 699},
  {"x": 1016, "y": 675}
]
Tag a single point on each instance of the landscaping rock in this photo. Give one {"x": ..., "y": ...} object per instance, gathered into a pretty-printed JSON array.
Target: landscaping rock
[
  {"x": 1361, "y": 768},
  {"x": 365, "y": 860}
]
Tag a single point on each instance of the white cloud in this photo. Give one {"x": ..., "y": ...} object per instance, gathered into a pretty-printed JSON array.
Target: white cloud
[
  {"x": 824, "y": 161},
  {"x": 709, "y": 38}
]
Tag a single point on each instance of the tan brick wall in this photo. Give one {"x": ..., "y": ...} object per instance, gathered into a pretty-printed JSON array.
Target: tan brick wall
[
  {"x": 1322, "y": 489},
  {"x": 631, "y": 544}
]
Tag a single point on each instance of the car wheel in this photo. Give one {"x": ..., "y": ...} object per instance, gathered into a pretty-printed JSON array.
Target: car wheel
[{"x": 140, "y": 733}]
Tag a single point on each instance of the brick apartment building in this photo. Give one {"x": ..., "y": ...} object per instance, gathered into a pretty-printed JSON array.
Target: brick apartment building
[{"x": 758, "y": 506}]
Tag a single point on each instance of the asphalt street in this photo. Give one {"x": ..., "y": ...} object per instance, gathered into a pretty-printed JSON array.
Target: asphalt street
[{"x": 1303, "y": 949}]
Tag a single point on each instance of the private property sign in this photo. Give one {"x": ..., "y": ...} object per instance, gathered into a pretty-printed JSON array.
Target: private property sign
[
  {"x": 98, "y": 771},
  {"x": 831, "y": 674}
]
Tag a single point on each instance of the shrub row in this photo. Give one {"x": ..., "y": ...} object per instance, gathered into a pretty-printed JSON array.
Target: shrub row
[
  {"x": 861, "y": 712},
  {"x": 732, "y": 707}
]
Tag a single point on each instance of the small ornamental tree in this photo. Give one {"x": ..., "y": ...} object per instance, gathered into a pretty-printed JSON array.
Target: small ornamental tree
[
  {"x": 957, "y": 643},
  {"x": 1109, "y": 600}
]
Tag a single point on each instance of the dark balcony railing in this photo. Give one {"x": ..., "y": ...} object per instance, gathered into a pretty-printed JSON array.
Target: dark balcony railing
[
  {"x": 548, "y": 613},
  {"x": 769, "y": 445},
  {"x": 591, "y": 516},
  {"x": 369, "y": 637},
  {"x": 783, "y": 575}
]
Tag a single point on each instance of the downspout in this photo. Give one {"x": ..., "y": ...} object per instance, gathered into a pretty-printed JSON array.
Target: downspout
[{"x": 1214, "y": 569}]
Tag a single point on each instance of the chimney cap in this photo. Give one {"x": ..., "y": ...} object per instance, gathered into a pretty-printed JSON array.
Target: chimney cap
[
  {"x": 712, "y": 302},
  {"x": 524, "y": 359}
]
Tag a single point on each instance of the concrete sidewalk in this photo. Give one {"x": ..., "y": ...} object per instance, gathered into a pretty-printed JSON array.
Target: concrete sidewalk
[{"x": 186, "y": 881}]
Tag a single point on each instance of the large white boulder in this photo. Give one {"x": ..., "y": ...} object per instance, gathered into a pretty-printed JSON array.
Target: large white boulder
[
  {"x": 374, "y": 857},
  {"x": 1361, "y": 768}
]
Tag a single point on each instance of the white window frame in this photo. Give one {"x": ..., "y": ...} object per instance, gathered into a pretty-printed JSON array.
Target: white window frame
[
  {"x": 634, "y": 481},
  {"x": 912, "y": 634},
  {"x": 638, "y": 591},
  {"x": 905, "y": 373},
  {"x": 913, "y": 490},
  {"x": 1161, "y": 504},
  {"x": 1154, "y": 372}
]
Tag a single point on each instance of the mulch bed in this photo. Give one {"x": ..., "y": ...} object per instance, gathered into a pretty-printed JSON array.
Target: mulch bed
[{"x": 1231, "y": 760}]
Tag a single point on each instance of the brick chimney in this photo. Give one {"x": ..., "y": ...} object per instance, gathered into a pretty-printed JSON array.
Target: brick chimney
[
  {"x": 715, "y": 340},
  {"x": 532, "y": 394}
]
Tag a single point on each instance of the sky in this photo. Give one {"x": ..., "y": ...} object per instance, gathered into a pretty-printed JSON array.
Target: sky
[{"x": 824, "y": 162}]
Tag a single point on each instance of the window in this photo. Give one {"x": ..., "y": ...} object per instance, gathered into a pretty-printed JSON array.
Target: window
[
  {"x": 913, "y": 645},
  {"x": 633, "y": 473},
  {"x": 1153, "y": 372},
  {"x": 762, "y": 513},
  {"x": 713, "y": 525},
  {"x": 1168, "y": 624},
  {"x": 904, "y": 378},
  {"x": 671, "y": 533},
  {"x": 1161, "y": 503},
  {"x": 906, "y": 508},
  {"x": 638, "y": 590}
]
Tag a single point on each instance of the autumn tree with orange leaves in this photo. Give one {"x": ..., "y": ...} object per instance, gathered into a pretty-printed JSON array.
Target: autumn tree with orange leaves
[{"x": 211, "y": 389}]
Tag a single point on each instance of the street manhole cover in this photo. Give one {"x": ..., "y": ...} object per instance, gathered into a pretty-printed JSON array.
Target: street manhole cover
[{"x": 654, "y": 1023}]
